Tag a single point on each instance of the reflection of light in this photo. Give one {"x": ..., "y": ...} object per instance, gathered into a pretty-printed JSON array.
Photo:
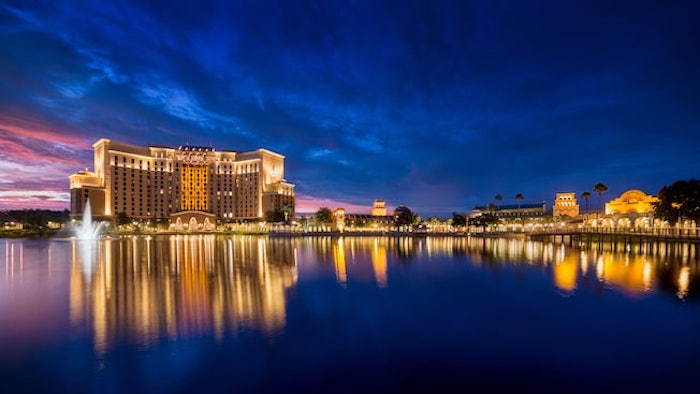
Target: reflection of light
[
  {"x": 683, "y": 282},
  {"x": 647, "y": 276},
  {"x": 100, "y": 297},
  {"x": 599, "y": 268},
  {"x": 339, "y": 258},
  {"x": 530, "y": 251},
  {"x": 190, "y": 293},
  {"x": 561, "y": 254},
  {"x": 629, "y": 274},
  {"x": 584, "y": 263},
  {"x": 565, "y": 272},
  {"x": 379, "y": 264}
]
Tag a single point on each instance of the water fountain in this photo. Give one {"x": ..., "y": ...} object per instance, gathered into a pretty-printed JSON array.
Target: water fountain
[
  {"x": 86, "y": 232},
  {"x": 87, "y": 229}
]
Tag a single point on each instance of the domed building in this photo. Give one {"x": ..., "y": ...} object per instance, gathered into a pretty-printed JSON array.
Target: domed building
[
  {"x": 633, "y": 208},
  {"x": 403, "y": 215}
]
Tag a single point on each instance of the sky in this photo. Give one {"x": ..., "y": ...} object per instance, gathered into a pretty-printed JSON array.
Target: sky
[{"x": 437, "y": 105}]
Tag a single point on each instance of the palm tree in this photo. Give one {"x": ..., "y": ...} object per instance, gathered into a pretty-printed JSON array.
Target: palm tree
[
  {"x": 599, "y": 188},
  {"x": 499, "y": 198},
  {"x": 518, "y": 197},
  {"x": 490, "y": 208},
  {"x": 287, "y": 209},
  {"x": 586, "y": 196},
  {"x": 491, "y": 217}
]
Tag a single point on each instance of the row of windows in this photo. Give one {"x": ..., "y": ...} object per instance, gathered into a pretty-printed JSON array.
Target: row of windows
[
  {"x": 120, "y": 173},
  {"x": 227, "y": 169}
]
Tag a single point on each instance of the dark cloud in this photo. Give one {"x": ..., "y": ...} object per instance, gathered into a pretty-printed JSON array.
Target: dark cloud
[{"x": 437, "y": 105}]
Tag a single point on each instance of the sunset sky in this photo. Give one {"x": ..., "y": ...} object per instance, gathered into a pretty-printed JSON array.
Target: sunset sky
[{"x": 439, "y": 105}]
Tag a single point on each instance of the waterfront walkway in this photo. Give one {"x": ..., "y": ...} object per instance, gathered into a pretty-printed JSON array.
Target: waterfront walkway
[
  {"x": 650, "y": 235},
  {"x": 560, "y": 235}
]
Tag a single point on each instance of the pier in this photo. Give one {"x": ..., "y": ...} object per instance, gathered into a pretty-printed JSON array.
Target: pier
[{"x": 655, "y": 240}]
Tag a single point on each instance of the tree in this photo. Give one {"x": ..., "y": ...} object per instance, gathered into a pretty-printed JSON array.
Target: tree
[
  {"x": 274, "y": 216},
  {"x": 679, "y": 200},
  {"x": 518, "y": 197},
  {"x": 36, "y": 219},
  {"x": 459, "y": 219},
  {"x": 586, "y": 196},
  {"x": 499, "y": 198},
  {"x": 599, "y": 188},
  {"x": 483, "y": 221},
  {"x": 287, "y": 209},
  {"x": 403, "y": 216},
  {"x": 490, "y": 208},
  {"x": 122, "y": 218},
  {"x": 323, "y": 216}
]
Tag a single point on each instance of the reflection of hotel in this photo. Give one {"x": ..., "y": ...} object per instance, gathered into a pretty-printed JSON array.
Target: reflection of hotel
[
  {"x": 157, "y": 182},
  {"x": 142, "y": 290}
]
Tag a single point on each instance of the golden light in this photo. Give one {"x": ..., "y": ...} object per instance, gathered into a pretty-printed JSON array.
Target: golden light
[{"x": 683, "y": 282}]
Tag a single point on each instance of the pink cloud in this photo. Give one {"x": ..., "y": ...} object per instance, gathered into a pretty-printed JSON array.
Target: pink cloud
[
  {"x": 36, "y": 159},
  {"x": 34, "y": 199},
  {"x": 39, "y": 130},
  {"x": 306, "y": 204}
]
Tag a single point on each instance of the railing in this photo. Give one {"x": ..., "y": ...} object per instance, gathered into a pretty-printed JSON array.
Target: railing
[{"x": 652, "y": 232}]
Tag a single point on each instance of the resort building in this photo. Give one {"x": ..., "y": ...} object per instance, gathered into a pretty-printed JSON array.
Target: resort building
[
  {"x": 633, "y": 208},
  {"x": 511, "y": 211},
  {"x": 377, "y": 219},
  {"x": 565, "y": 204},
  {"x": 631, "y": 201},
  {"x": 158, "y": 183},
  {"x": 379, "y": 208}
]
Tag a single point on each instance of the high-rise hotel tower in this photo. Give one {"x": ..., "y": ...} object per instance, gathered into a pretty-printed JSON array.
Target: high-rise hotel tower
[{"x": 154, "y": 183}]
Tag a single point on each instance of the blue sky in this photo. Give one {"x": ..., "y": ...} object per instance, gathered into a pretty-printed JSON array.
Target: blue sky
[{"x": 439, "y": 105}]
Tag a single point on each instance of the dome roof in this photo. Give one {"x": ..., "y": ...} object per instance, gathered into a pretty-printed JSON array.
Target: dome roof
[
  {"x": 401, "y": 209},
  {"x": 632, "y": 196}
]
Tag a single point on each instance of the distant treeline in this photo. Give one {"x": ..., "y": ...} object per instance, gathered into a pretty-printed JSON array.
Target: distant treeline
[{"x": 34, "y": 218}]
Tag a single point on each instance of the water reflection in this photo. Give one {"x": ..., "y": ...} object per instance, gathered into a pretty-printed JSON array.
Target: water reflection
[
  {"x": 630, "y": 269},
  {"x": 142, "y": 289}
]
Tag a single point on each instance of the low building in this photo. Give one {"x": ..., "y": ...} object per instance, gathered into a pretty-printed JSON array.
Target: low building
[
  {"x": 377, "y": 219},
  {"x": 633, "y": 208},
  {"x": 631, "y": 201},
  {"x": 525, "y": 211}
]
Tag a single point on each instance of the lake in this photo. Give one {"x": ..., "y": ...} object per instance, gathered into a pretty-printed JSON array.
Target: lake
[{"x": 256, "y": 314}]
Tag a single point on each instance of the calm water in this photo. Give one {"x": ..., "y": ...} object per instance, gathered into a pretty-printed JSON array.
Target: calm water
[{"x": 256, "y": 314}]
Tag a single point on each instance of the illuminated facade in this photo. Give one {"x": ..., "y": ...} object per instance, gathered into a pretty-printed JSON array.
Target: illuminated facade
[
  {"x": 156, "y": 182},
  {"x": 512, "y": 211},
  {"x": 631, "y": 201},
  {"x": 379, "y": 208},
  {"x": 565, "y": 204},
  {"x": 378, "y": 217},
  {"x": 633, "y": 208}
]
